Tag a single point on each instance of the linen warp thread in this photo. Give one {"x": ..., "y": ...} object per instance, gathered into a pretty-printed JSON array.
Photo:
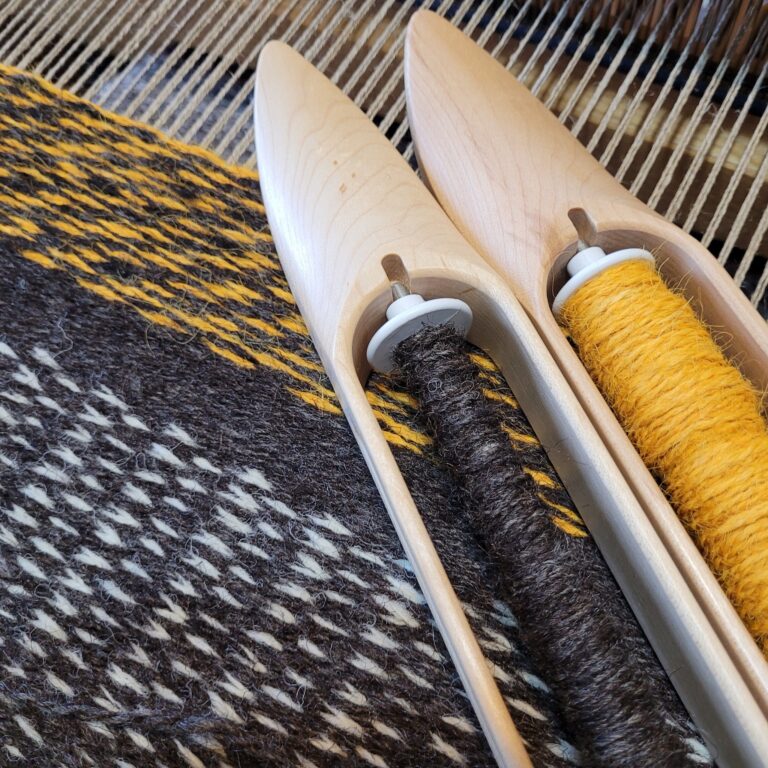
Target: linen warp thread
[
  {"x": 694, "y": 419},
  {"x": 615, "y": 698}
]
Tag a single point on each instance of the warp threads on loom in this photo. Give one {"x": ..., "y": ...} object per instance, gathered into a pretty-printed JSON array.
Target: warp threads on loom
[
  {"x": 694, "y": 419},
  {"x": 617, "y": 702}
]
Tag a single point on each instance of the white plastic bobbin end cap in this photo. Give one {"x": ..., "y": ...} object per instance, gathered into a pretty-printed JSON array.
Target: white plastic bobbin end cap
[
  {"x": 406, "y": 316},
  {"x": 591, "y": 262}
]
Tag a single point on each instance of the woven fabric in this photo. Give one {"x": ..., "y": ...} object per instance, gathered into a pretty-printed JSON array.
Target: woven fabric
[
  {"x": 670, "y": 97},
  {"x": 195, "y": 566}
]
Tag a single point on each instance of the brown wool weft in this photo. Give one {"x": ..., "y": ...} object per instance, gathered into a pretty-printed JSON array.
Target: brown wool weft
[{"x": 616, "y": 700}]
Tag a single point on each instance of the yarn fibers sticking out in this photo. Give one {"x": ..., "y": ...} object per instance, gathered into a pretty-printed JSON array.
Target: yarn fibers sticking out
[
  {"x": 617, "y": 703},
  {"x": 694, "y": 419}
]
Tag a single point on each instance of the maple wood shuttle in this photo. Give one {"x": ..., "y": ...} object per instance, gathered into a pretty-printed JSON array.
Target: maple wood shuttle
[
  {"x": 507, "y": 172},
  {"x": 339, "y": 199}
]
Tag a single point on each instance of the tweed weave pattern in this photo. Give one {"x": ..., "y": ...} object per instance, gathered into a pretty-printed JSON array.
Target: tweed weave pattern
[{"x": 195, "y": 566}]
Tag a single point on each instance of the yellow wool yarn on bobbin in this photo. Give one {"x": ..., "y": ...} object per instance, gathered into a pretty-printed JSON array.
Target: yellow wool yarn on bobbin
[{"x": 692, "y": 416}]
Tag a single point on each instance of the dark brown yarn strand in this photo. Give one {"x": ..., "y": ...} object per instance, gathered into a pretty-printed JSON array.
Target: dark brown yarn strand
[{"x": 614, "y": 696}]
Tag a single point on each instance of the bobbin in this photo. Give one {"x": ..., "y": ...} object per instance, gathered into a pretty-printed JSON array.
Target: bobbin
[
  {"x": 407, "y": 315},
  {"x": 507, "y": 172},
  {"x": 591, "y": 260},
  {"x": 340, "y": 199}
]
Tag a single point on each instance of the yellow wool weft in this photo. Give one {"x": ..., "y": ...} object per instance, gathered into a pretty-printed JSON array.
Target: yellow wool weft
[{"x": 694, "y": 419}]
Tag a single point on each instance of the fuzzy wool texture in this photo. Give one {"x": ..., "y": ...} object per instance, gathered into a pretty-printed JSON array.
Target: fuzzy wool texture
[
  {"x": 694, "y": 419},
  {"x": 196, "y": 568},
  {"x": 617, "y": 703}
]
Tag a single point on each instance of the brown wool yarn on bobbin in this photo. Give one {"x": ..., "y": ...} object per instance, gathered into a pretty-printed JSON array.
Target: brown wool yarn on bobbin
[{"x": 617, "y": 702}]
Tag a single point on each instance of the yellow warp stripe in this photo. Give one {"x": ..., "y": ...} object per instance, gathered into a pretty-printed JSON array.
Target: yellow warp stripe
[
  {"x": 563, "y": 510},
  {"x": 10, "y": 143},
  {"x": 568, "y": 528},
  {"x": 229, "y": 355},
  {"x": 261, "y": 357},
  {"x": 222, "y": 322},
  {"x": 411, "y": 435},
  {"x": 20, "y": 101},
  {"x": 26, "y": 225},
  {"x": 73, "y": 259},
  {"x": 195, "y": 179},
  {"x": 203, "y": 325},
  {"x": 241, "y": 233},
  {"x": 297, "y": 359},
  {"x": 132, "y": 292},
  {"x": 200, "y": 256},
  {"x": 193, "y": 290},
  {"x": 243, "y": 290},
  {"x": 281, "y": 293},
  {"x": 176, "y": 232},
  {"x": 262, "y": 325},
  {"x": 158, "y": 318},
  {"x": 155, "y": 234},
  {"x": 53, "y": 198},
  {"x": 129, "y": 149},
  {"x": 28, "y": 120},
  {"x": 67, "y": 228},
  {"x": 20, "y": 202},
  {"x": 293, "y": 323},
  {"x": 165, "y": 146},
  {"x": 519, "y": 437},
  {"x": 87, "y": 200},
  {"x": 394, "y": 439},
  {"x": 254, "y": 259},
  {"x": 381, "y": 402},
  {"x": 192, "y": 225},
  {"x": 133, "y": 198},
  {"x": 41, "y": 259},
  {"x": 150, "y": 286},
  {"x": 238, "y": 237},
  {"x": 401, "y": 397},
  {"x": 272, "y": 362},
  {"x": 137, "y": 247},
  {"x": 226, "y": 290},
  {"x": 15, "y": 232},
  {"x": 483, "y": 361},
  {"x": 540, "y": 478},
  {"x": 322, "y": 403},
  {"x": 331, "y": 407},
  {"x": 168, "y": 202},
  {"x": 35, "y": 174},
  {"x": 100, "y": 290},
  {"x": 68, "y": 149},
  {"x": 136, "y": 234},
  {"x": 500, "y": 397},
  {"x": 143, "y": 256},
  {"x": 72, "y": 171}
]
